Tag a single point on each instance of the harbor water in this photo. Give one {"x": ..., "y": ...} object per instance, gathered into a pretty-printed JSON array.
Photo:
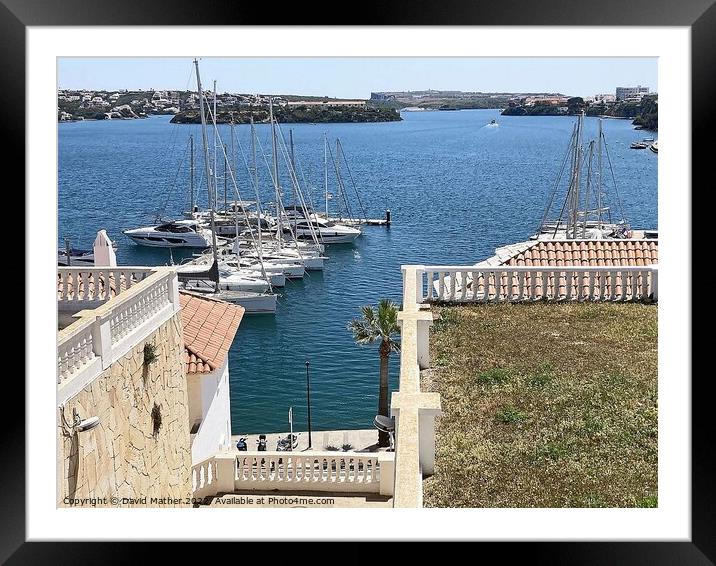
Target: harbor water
[{"x": 456, "y": 187}]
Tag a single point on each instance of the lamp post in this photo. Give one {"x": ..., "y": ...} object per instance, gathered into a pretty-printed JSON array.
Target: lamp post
[{"x": 308, "y": 399}]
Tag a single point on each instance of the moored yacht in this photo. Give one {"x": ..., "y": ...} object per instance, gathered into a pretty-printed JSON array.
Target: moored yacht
[
  {"x": 174, "y": 234},
  {"x": 328, "y": 232}
]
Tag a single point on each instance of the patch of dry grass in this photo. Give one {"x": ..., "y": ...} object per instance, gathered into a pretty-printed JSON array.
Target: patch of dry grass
[{"x": 545, "y": 405}]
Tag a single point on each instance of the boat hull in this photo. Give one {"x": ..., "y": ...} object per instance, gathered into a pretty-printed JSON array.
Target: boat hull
[
  {"x": 241, "y": 284},
  {"x": 254, "y": 304},
  {"x": 156, "y": 240},
  {"x": 327, "y": 238}
]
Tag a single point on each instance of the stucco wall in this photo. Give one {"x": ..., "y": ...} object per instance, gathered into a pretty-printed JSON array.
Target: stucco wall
[
  {"x": 123, "y": 457},
  {"x": 214, "y": 434}
]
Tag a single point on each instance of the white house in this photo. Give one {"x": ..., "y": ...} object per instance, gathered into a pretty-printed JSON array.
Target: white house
[{"x": 209, "y": 327}]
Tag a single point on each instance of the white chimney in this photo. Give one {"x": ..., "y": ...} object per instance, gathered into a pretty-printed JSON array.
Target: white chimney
[{"x": 103, "y": 251}]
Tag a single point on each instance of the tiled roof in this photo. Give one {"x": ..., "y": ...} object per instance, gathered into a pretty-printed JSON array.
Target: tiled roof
[
  {"x": 556, "y": 253},
  {"x": 588, "y": 252},
  {"x": 209, "y": 327}
]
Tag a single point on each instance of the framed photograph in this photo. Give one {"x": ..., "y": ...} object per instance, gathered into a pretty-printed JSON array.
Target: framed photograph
[{"x": 406, "y": 262}]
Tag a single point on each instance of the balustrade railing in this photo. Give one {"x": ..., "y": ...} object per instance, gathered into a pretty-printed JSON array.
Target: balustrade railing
[
  {"x": 204, "y": 479},
  {"x": 344, "y": 472},
  {"x": 95, "y": 284},
  {"x": 101, "y": 335},
  {"x": 535, "y": 283},
  {"x": 323, "y": 471}
]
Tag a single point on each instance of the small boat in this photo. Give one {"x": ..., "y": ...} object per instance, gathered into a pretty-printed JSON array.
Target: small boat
[
  {"x": 638, "y": 145},
  {"x": 493, "y": 122},
  {"x": 654, "y": 147},
  {"x": 77, "y": 257},
  {"x": 174, "y": 234}
]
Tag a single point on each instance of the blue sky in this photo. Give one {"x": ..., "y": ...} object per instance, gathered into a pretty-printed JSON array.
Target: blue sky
[{"x": 357, "y": 77}]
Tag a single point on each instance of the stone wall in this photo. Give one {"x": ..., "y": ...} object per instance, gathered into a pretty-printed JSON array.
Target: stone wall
[{"x": 124, "y": 457}]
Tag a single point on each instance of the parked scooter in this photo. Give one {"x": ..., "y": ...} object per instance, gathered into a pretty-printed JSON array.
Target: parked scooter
[
  {"x": 261, "y": 443},
  {"x": 241, "y": 444},
  {"x": 288, "y": 443}
]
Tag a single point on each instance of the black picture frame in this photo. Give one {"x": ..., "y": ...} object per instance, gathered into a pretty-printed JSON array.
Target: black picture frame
[{"x": 699, "y": 15}]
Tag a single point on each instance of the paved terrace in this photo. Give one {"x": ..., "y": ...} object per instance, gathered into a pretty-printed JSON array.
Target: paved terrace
[{"x": 361, "y": 440}]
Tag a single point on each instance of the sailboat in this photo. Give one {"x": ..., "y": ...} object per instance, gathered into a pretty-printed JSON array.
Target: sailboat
[
  {"x": 221, "y": 282},
  {"x": 583, "y": 214}
]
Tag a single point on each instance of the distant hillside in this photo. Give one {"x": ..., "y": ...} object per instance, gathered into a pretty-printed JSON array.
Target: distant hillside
[{"x": 296, "y": 114}]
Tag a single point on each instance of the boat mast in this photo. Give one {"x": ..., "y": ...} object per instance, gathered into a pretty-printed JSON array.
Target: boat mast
[
  {"x": 588, "y": 187},
  {"x": 226, "y": 167},
  {"x": 599, "y": 177},
  {"x": 207, "y": 167},
  {"x": 216, "y": 161},
  {"x": 276, "y": 183},
  {"x": 574, "y": 201},
  {"x": 233, "y": 167},
  {"x": 191, "y": 174},
  {"x": 293, "y": 164},
  {"x": 255, "y": 174},
  {"x": 325, "y": 169}
]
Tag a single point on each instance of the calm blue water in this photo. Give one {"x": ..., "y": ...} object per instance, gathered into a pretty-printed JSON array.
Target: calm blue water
[{"x": 456, "y": 189}]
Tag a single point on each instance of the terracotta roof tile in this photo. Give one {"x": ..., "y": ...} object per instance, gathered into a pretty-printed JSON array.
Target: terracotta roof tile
[
  {"x": 209, "y": 327},
  {"x": 583, "y": 253},
  {"x": 592, "y": 252}
]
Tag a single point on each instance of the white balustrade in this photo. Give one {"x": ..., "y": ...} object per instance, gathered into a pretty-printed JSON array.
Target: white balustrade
[
  {"x": 344, "y": 472},
  {"x": 141, "y": 300},
  {"x": 76, "y": 350},
  {"x": 204, "y": 479},
  {"x": 309, "y": 471},
  {"x": 76, "y": 285},
  {"x": 536, "y": 283}
]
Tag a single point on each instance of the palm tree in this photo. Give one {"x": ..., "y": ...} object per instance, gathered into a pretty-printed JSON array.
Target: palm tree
[{"x": 379, "y": 323}]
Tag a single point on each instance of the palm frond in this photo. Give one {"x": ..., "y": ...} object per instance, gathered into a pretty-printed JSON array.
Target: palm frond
[
  {"x": 362, "y": 331},
  {"x": 377, "y": 323}
]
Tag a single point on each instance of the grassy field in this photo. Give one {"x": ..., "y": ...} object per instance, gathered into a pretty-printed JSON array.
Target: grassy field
[{"x": 545, "y": 405}]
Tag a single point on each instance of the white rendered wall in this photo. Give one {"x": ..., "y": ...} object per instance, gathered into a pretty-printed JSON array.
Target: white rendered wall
[{"x": 214, "y": 434}]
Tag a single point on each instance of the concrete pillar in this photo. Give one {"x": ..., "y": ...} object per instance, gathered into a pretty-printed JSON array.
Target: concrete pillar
[
  {"x": 225, "y": 472},
  {"x": 102, "y": 339},
  {"x": 104, "y": 255},
  {"x": 423, "y": 339},
  {"x": 426, "y": 424},
  {"x": 386, "y": 461}
]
